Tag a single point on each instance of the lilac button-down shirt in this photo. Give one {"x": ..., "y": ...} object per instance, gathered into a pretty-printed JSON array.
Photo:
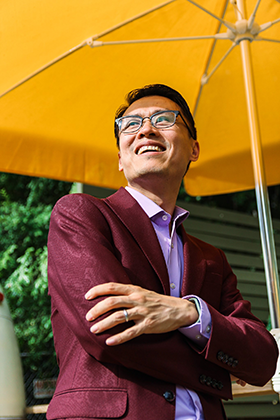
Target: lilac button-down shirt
[{"x": 187, "y": 403}]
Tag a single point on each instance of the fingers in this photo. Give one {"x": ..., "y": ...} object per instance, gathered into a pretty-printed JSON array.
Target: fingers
[
  {"x": 110, "y": 321},
  {"x": 110, "y": 289},
  {"x": 124, "y": 336},
  {"x": 241, "y": 382},
  {"x": 107, "y": 305},
  {"x": 126, "y": 296},
  {"x": 238, "y": 381}
]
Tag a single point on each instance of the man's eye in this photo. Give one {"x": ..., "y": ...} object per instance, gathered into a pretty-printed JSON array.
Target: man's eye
[
  {"x": 164, "y": 118},
  {"x": 130, "y": 123}
]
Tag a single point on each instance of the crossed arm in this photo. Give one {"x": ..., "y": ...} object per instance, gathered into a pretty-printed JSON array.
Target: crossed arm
[{"x": 151, "y": 312}]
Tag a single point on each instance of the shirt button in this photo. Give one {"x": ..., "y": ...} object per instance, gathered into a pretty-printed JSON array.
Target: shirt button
[
  {"x": 172, "y": 246},
  {"x": 164, "y": 217},
  {"x": 173, "y": 286},
  {"x": 169, "y": 396}
]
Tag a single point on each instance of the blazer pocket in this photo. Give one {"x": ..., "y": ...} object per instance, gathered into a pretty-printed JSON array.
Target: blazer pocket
[{"x": 93, "y": 403}]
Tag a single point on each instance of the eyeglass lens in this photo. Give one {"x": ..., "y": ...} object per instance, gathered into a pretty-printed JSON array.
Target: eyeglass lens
[{"x": 163, "y": 119}]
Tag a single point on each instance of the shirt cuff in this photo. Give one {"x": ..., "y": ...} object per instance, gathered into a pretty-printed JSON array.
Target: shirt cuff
[{"x": 200, "y": 331}]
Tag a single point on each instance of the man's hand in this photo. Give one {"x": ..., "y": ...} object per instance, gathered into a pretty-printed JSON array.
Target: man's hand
[
  {"x": 151, "y": 312},
  {"x": 237, "y": 380}
]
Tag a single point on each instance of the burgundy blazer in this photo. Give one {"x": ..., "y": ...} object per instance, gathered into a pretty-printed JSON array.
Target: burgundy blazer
[{"x": 92, "y": 241}]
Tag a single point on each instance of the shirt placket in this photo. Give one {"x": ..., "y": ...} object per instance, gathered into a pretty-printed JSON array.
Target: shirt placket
[{"x": 174, "y": 264}]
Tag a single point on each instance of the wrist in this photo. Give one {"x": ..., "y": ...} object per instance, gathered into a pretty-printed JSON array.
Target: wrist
[{"x": 191, "y": 313}]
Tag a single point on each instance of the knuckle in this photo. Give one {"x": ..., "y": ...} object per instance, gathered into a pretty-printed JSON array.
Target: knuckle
[
  {"x": 111, "y": 301},
  {"x": 130, "y": 333},
  {"x": 119, "y": 316},
  {"x": 149, "y": 323},
  {"x": 138, "y": 297},
  {"x": 111, "y": 286},
  {"x": 142, "y": 312}
]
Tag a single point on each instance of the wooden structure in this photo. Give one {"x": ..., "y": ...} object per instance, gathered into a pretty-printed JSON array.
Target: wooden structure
[{"x": 237, "y": 234}]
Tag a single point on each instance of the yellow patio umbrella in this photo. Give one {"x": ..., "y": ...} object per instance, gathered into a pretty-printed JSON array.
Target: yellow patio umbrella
[{"x": 66, "y": 65}]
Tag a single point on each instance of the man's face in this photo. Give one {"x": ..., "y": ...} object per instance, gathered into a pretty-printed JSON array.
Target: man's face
[{"x": 169, "y": 151}]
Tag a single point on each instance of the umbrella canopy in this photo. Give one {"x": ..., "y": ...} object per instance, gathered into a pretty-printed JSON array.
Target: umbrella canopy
[
  {"x": 65, "y": 66},
  {"x": 58, "y": 122}
]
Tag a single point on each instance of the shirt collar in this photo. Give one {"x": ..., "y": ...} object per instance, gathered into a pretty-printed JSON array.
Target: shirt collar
[{"x": 155, "y": 212}]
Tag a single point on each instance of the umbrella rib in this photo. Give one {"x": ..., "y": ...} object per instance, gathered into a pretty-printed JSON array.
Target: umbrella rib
[
  {"x": 267, "y": 25},
  {"x": 41, "y": 69},
  {"x": 224, "y": 22},
  {"x": 206, "y": 77},
  {"x": 267, "y": 39},
  {"x": 209, "y": 60},
  {"x": 253, "y": 15},
  {"x": 92, "y": 43},
  {"x": 132, "y": 19}
]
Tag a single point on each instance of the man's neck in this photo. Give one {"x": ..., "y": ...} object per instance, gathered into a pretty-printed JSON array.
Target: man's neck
[{"x": 163, "y": 197}]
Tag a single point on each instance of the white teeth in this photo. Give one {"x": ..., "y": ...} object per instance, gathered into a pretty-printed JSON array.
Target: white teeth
[{"x": 144, "y": 148}]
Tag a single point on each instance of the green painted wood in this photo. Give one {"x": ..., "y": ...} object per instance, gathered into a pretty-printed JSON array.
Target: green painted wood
[
  {"x": 225, "y": 216},
  {"x": 261, "y": 407},
  {"x": 255, "y": 290},
  {"x": 226, "y": 243},
  {"x": 220, "y": 229},
  {"x": 250, "y": 276}
]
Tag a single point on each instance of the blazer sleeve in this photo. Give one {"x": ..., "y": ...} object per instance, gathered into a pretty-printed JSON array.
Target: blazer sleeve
[
  {"x": 81, "y": 254},
  {"x": 239, "y": 341}
]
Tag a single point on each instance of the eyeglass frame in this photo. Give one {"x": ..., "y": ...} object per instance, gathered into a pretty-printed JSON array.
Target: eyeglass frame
[{"x": 176, "y": 112}]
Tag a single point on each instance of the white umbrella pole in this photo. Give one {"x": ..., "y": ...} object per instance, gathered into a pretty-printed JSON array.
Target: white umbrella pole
[{"x": 265, "y": 222}]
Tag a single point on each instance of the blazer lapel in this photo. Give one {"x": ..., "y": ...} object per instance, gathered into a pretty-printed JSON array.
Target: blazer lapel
[
  {"x": 138, "y": 223},
  {"x": 194, "y": 266}
]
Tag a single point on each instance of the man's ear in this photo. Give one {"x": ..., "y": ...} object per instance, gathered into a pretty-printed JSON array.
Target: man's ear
[
  {"x": 120, "y": 162},
  {"x": 195, "y": 151}
]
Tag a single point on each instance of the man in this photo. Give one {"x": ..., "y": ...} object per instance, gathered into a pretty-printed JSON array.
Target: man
[{"x": 147, "y": 320}]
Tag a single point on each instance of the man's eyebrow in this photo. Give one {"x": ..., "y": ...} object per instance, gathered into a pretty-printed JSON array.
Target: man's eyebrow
[{"x": 139, "y": 114}]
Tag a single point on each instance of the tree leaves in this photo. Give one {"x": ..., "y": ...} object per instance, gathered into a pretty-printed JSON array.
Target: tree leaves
[{"x": 26, "y": 205}]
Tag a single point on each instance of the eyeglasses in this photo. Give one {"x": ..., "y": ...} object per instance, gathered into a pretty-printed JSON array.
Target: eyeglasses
[{"x": 161, "y": 120}]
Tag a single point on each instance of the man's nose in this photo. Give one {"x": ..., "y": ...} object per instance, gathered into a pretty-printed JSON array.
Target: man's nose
[{"x": 147, "y": 128}]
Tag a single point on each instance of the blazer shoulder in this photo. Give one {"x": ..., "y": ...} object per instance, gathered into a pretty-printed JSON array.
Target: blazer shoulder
[
  {"x": 73, "y": 201},
  {"x": 81, "y": 210},
  {"x": 76, "y": 199},
  {"x": 78, "y": 204}
]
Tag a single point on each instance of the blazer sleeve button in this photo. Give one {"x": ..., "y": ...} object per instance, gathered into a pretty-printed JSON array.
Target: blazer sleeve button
[
  {"x": 202, "y": 379},
  {"x": 220, "y": 356},
  {"x": 208, "y": 381},
  {"x": 230, "y": 361},
  {"x": 169, "y": 396},
  {"x": 220, "y": 385},
  {"x": 225, "y": 358},
  {"x": 214, "y": 383},
  {"x": 234, "y": 363}
]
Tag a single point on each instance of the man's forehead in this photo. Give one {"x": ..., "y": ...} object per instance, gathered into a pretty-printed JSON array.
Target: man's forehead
[{"x": 150, "y": 104}]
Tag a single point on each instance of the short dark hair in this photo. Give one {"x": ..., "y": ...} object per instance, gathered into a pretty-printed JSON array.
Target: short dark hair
[{"x": 157, "y": 90}]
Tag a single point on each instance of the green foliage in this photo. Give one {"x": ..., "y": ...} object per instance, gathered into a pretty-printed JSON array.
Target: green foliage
[{"x": 26, "y": 205}]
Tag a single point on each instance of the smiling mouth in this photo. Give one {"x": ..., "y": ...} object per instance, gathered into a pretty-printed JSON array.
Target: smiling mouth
[{"x": 145, "y": 149}]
